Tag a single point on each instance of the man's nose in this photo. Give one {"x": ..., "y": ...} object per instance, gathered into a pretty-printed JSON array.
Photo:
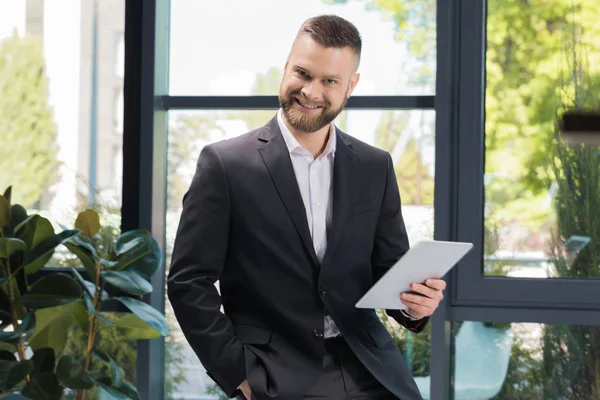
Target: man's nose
[{"x": 312, "y": 91}]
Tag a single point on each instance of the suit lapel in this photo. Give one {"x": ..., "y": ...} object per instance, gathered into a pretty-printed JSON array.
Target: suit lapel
[
  {"x": 276, "y": 157},
  {"x": 344, "y": 174}
]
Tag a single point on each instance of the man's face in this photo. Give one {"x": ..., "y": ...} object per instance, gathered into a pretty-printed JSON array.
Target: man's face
[{"x": 316, "y": 84}]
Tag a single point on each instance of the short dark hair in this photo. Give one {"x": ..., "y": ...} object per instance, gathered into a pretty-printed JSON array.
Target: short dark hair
[{"x": 333, "y": 31}]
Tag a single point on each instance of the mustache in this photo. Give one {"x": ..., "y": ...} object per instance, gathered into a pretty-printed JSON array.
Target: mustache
[{"x": 302, "y": 99}]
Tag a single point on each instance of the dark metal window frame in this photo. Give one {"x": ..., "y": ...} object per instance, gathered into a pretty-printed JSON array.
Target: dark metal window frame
[
  {"x": 471, "y": 287},
  {"x": 459, "y": 203},
  {"x": 459, "y": 106}
]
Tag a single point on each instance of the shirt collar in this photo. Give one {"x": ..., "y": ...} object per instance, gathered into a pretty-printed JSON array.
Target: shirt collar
[{"x": 292, "y": 144}]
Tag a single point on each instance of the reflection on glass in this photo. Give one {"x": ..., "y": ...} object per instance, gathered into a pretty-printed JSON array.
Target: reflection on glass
[
  {"x": 408, "y": 135},
  {"x": 60, "y": 148},
  {"x": 525, "y": 361},
  {"x": 541, "y": 197},
  {"x": 226, "y": 59}
]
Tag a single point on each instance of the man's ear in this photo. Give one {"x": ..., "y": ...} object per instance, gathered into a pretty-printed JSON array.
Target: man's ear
[{"x": 353, "y": 83}]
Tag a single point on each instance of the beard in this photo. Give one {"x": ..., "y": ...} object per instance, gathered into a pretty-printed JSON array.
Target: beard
[{"x": 303, "y": 121}]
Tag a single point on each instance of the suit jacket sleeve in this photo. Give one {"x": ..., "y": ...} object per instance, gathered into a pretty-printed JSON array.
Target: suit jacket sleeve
[
  {"x": 391, "y": 242},
  {"x": 197, "y": 263}
]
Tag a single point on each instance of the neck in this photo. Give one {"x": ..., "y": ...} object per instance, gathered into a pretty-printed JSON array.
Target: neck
[{"x": 313, "y": 142}]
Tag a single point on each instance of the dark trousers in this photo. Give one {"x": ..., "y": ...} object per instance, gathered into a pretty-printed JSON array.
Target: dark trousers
[{"x": 343, "y": 377}]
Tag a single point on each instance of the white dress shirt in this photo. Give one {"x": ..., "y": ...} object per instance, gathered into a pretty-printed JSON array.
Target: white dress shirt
[{"x": 314, "y": 176}]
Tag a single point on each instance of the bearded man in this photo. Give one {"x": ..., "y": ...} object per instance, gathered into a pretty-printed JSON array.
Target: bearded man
[{"x": 297, "y": 220}]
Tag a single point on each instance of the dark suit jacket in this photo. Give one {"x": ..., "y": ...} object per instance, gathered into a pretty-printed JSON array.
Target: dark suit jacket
[{"x": 244, "y": 224}]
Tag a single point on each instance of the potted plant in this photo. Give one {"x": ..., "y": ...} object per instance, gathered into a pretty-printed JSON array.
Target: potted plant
[{"x": 36, "y": 314}]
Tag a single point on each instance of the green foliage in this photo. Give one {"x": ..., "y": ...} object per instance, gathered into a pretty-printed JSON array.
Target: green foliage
[
  {"x": 28, "y": 154},
  {"x": 525, "y": 61},
  {"x": 415, "y": 183},
  {"x": 41, "y": 312},
  {"x": 416, "y": 348},
  {"x": 571, "y": 366}
]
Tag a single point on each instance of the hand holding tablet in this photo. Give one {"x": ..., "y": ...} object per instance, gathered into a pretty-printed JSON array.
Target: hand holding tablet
[{"x": 426, "y": 260}]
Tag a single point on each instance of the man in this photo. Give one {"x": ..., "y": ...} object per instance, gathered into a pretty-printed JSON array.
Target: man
[{"x": 297, "y": 220}]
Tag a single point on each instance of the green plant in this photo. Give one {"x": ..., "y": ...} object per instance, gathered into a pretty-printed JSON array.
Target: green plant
[{"x": 43, "y": 311}]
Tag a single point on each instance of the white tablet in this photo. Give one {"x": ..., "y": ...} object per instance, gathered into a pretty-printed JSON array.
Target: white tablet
[{"x": 427, "y": 259}]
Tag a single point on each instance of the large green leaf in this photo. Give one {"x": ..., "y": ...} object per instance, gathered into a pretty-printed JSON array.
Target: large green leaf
[
  {"x": 38, "y": 256},
  {"x": 7, "y": 347},
  {"x": 85, "y": 256},
  {"x": 19, "y": 229},
  {"x": 37, "y": 230},
  {"x": 52, "y": 290},
  {"x": 43, "y": 386},
  {"x": 23, "y": 332},
  {"x": 4, "y": 212},
  {"x": 147, "y": 314},
  {"x": 88, "y": 222},
  {"x": 132, "y": 327},
  {"x": 8, "y": 194},
  {"x": 43, "y": 360},
  {"x": 89, "y": 286},
  {"x": 125, "y": 391},
  {"x": 13, "y": 372},
  {"x": 129, "y": 281},
  {"x": 116, "y": 375},
  {"x": 9, "y": 245},
  {"x": 54, "y": 323},
  {"x": 116, "y": 388},
  {"x": 17, "y": 215},
  {"x": 71, "y": 375},
  {"x": 89, "y": 305},
  {"x": 138, "y": 250},
  {"x": 5, "y": 300},
  {"x": 6, "y": 308},
  {"x": 86, "y": 242}
]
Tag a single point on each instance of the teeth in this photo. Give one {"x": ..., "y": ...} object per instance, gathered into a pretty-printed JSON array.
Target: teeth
[{"x": 307, "y": 106}]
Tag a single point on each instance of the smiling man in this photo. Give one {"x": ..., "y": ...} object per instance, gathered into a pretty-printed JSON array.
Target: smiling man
[{"x": 297, "y": 220}]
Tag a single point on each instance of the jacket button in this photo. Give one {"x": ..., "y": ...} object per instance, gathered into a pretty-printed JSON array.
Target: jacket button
[
  {"x": 318, "y": 333},
  {"x": 322, "y": 291}
]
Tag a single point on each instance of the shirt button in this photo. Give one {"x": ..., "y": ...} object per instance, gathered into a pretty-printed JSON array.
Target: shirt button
[
  {"x": 318, "y": 333},
  {"x": 317, "y": 203}
]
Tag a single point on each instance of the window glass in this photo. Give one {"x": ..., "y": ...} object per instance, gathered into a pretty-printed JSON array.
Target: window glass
[
  {"x": 212, "y": 52},
  {"x": 541, "y": 193},
  {"x": 58, "y": 106},
  {"x": 523, "y": 361}
]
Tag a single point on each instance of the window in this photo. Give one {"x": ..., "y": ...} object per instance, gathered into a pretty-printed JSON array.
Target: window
[
  {"x": 119, "y": 106},
  {"x": 57, "y": 123},
  {"x": 497, "y": 361},
  {"x": 120, "y": 54},
  {"x": 220, "y": 51},
  {"x": 518, "y": 172},
  {"x": 500, "y": 68},
  {"x": 228, "y": 84},
  {"x": 541, "y": 198}
]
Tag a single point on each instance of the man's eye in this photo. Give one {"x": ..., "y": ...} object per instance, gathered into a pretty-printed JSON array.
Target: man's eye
[{"x": 330, "y": 81}]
